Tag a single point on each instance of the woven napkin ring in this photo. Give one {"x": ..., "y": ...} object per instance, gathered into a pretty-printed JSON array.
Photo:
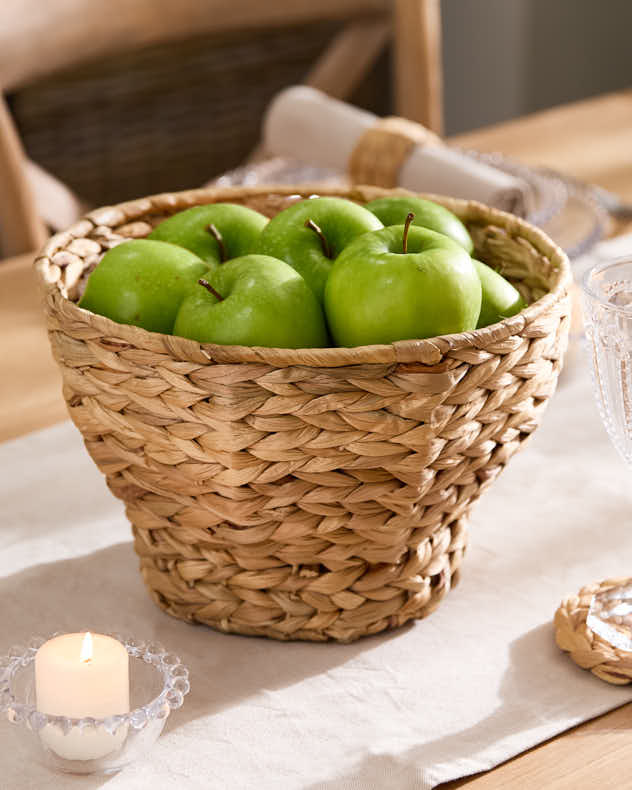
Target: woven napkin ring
[
  {"x": 587, "y": 648},
  {"x": 382, "y": 150}
]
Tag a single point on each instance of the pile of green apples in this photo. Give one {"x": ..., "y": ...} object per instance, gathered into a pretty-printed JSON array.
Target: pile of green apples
[{"x": 324, "y": 271}]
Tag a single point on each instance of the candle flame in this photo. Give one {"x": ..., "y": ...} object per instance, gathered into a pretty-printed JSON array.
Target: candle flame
[{"x": 86, "y": 648}]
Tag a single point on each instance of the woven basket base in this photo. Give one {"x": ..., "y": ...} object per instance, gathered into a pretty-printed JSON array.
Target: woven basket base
[
  {"x": 291, "y": 606},
  {"x": 588, "y": 649}
]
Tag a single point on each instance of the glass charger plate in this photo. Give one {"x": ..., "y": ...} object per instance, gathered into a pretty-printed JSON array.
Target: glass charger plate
[{"x": 568, "y": 211}]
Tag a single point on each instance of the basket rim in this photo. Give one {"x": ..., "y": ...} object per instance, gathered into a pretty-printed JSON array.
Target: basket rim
[{"x": 427, "y": 351}]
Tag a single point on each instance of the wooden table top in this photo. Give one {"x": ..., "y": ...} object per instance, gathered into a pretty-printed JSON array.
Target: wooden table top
[{"x": 590, "y": 140}]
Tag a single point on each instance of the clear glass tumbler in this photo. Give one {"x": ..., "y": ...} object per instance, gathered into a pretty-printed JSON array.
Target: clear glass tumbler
[{"x": 607, "y": 302}]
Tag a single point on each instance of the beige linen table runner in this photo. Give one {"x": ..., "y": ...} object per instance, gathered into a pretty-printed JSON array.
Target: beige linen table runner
[{"x": 477, "y": 682}]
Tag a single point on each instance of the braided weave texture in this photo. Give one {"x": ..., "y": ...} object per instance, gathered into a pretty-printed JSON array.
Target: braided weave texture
[
  {"x": 588, "y": 649},
  {"x": 383, "y": 148},
  {"x": 303, "y": 494}
]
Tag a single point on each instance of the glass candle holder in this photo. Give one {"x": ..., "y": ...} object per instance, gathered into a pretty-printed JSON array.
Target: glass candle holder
[{"x": 158, "y": 684}]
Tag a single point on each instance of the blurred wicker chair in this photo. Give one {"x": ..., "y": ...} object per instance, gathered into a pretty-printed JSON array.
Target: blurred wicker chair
[{"x": 98, "y": 99}]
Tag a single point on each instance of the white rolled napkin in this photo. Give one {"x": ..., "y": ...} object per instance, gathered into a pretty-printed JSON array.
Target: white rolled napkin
[{"x": 306, "y": 124}]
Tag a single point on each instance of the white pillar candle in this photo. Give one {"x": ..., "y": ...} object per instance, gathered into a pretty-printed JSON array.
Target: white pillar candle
[{"x": 79, "y": 675}]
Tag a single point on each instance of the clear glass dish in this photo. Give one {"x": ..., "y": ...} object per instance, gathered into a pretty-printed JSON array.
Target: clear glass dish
[{"x": 158, "y": 685}]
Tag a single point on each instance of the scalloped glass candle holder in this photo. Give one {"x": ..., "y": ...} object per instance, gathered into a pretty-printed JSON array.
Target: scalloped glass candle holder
[{"x": 158, "y": 685}]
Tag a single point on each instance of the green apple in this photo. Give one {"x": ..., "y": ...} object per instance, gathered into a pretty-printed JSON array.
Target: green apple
[
  {"x": 401, "y": 283},
  {"x": 255, "y": 300},
  {"x": 143, "y": 282},
  {"x": 393, "y": 211},
  {"x": 310, "y": 234},
  {"x": 215, "y": 232},
  {"x": 499, "y": 298}
]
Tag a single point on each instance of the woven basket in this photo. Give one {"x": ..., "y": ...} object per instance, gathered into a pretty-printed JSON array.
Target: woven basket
[{"x": 303, "y": 494}]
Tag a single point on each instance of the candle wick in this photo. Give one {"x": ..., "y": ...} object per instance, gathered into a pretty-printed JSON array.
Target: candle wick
[{"x": 86, "y": 649}]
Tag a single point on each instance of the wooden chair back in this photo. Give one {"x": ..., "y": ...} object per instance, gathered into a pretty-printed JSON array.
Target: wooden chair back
[{"x": 38, "y": 39}]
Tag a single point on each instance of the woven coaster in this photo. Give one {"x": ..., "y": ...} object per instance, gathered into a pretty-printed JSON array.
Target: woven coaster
[{"x": 603, "y": 647}]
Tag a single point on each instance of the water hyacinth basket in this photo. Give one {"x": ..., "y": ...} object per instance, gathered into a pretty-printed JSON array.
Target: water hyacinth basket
[{"x": 303, "y": 494}]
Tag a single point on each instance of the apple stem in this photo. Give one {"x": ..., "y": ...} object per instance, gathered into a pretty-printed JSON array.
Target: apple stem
[
  {"x": 212, "y": 229},
  {"x": 206, "y": 284},
  {"x": 309, "y": 223},
  {"x": 409, "y": 218}
]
